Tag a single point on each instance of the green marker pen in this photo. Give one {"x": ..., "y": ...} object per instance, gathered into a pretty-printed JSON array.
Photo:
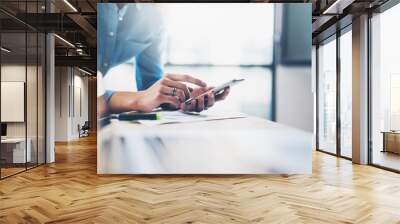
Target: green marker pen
[{"x": 132, "y": 116}]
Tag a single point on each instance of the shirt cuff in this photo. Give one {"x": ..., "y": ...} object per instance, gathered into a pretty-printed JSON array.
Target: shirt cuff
[{"x": 107, "y": 95}]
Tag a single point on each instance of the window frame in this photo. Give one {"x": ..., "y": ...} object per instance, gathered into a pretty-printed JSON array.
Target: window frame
[{"x": 333, "y": 37}]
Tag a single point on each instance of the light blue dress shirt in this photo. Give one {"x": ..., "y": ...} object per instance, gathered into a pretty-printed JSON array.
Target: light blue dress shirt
[{"x": 129, "y": 32}]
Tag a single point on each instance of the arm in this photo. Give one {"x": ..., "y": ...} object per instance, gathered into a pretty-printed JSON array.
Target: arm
[{"x": 149, "y": 65}]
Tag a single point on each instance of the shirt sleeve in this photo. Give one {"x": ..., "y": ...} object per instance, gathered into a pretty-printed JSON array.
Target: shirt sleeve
[
  {"x": 149, "y": 63},
  {"x": 107, "y": 95}
]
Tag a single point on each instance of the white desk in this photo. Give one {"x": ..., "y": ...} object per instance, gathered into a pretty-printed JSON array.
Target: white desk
[
  {"x": 18, "y": 149},
  {"x": 234, "y": 146}
]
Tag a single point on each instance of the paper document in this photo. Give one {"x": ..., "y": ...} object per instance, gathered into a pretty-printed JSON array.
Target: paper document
[{"x": 169, "y": 117}]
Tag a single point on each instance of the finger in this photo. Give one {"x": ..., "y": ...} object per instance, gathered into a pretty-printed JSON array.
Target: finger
[
  {"x": 166, "y": 90},
  {"x": 184, "y": 106},
  {"x": 223, "y": 95},
  {"x": 200, "y": 104},
  {"x": 169, "y": 91},
  {"x": 181, "y": 95},
  {"x": 177, "y": 85},
  {"x": 209, "y": 88},
  {"x": 192, "y": 105},
  {"x": 210, "y": 96},
  {"x": 199, "y": 92},
  {"x": 186, "y": 78},
  {"x": 197, "y": 105},
  {"x": 188, "y": 106},
  {"x": 169, "y": 99},
  {"x": 206, "y": 102},
  {"x": 211, "y": 99}
]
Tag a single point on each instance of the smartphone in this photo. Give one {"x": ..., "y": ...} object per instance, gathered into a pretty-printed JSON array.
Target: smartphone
[{"x": 217, "y": 90}]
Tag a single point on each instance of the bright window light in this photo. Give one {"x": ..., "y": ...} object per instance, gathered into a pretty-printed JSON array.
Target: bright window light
[
  {"x": 220, "y": 34},
  {"x": 390, "y": 68}
]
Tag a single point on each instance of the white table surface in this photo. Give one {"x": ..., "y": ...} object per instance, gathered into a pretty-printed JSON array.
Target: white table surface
[{"x": 233, "y": 146}]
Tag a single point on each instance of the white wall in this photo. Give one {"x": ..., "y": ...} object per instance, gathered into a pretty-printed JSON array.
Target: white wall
[
  {"x": 61, "y": 103},
  {"x": 70, "y": 83},
  {"x": 14, "y": 73},
  {"x": 294, "y": 97},
  {"x": 34, "y": 125},
  {"x": 80, "y": 94},
  {"x": 11, "y": 73}
]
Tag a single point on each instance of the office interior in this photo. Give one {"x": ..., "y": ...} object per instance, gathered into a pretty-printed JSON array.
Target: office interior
[
  {"x": 350, "y": 103},
  {"x": 39, "y": 108},
  {"x": 355, "y": 67}
]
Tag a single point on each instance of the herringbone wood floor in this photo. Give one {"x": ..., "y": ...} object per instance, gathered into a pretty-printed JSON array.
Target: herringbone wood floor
[{"x": 70, "y": 191}]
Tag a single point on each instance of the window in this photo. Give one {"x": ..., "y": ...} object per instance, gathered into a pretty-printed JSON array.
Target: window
[
  {"x": 346, "y": 94},
  {"x": 395, "y": 102},
  {"x": 327, "y": 96},
  {"x": 201, "y": 34},
  {"x": 385, "y": 89},
  {"x": 334, "y": 138}
]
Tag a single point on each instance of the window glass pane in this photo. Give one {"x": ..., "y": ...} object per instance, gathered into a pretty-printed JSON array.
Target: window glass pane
[
  {"x": 346, "y": 93},
  {"x": 327, "y": 96},
  {"x": 385, "y": 89}
]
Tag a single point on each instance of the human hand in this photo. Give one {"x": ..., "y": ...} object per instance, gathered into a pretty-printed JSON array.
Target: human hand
[
  {"x": 170, "y": 89},
  {"x": 204, "y": 102}
]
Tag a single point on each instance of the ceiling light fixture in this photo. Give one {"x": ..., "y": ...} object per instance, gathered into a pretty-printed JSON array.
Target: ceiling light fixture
[
  {"x": 84, "y": 71},
  {"x": 333, "y": 6},
  {"x": 65, "y": 41},
  {"x": 337, "y": 7},
  {"x": 70, "y": 5},
  {"x": 5, "y": 50}
]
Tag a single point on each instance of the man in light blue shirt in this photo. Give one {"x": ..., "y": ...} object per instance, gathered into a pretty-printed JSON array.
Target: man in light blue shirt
[{"x": 129, "y": 32}]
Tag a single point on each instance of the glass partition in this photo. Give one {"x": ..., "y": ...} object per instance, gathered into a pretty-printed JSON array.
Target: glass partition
[
  {"x": 14, "y": 153},
  {"x": 327, "y": 96},
  {"x": 22, "y": 90}
]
